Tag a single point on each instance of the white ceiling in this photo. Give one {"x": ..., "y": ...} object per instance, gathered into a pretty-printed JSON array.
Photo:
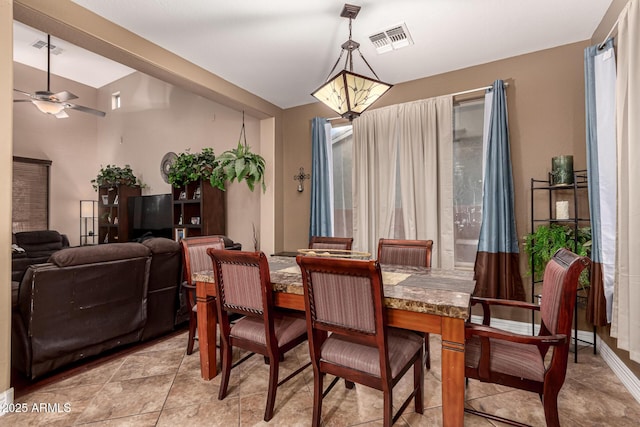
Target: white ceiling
[
  {"x": 282, "y": 50},
  {"x": 71, "y": 61}
]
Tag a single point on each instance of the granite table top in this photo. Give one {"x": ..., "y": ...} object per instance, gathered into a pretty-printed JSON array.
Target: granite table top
[{"x": 433, "y": 291}]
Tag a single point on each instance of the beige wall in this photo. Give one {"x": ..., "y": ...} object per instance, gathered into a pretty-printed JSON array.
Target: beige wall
[{"x": 6, "y": 125}]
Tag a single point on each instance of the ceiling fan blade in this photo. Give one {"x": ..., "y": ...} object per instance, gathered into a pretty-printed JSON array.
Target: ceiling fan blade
[
  {"x": 61, "y": 115},
  {"x": 86, "y": 109},
  {"x": 23, "y": 92},
  {"x": 62, "y": 96},
  {"x": 21, "y": 100}
]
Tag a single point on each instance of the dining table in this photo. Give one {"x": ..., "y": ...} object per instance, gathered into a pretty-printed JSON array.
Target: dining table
[{"x": 432, "y": 300}]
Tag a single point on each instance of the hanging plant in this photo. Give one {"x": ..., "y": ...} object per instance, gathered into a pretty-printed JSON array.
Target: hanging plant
[
  {"x": 112, "y": 176},
  {"x": 241, "y": 164},
  {"x": 191, "y": 167}
]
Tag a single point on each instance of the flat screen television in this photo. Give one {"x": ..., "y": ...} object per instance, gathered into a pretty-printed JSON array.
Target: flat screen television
[{"x": 150, "y": 216}]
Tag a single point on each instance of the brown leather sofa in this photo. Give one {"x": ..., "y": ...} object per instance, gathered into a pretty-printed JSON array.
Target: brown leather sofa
[{"x": 90, "y": 299}]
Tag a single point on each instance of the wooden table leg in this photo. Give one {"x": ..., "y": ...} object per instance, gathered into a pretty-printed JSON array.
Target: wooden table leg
[
  {"x": 207, "y": 322},
  {"x": 452, "y": 371}
]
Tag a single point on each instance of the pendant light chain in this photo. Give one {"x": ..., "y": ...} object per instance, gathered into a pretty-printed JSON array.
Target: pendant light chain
[{"x": 350, "y": 50}]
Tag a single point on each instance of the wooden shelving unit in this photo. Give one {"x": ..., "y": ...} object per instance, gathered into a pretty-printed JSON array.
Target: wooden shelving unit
[
  {"x": 202, "y": 215},
  {"x": 113, "y": 219}
]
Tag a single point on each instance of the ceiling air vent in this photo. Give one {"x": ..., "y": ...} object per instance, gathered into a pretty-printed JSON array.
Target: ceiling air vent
[
  {"x": 392, "y": 38},
  {"x": 39, "y": 44}
]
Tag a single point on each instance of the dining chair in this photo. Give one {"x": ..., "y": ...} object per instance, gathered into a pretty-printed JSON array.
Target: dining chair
[
  {"x": 324, "y": 242},
  {"x": 405, "y": 252},
  {"x": 496, "y": 356},
  {"x": 349, "y": 336},
  {"x": 416, "y": 253},
  {"x": 195, "y": 258},
  {"x": 243, "y": 286}
]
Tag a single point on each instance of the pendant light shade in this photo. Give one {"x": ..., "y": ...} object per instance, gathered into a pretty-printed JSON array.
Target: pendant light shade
[{"x": 348, "y": 93}]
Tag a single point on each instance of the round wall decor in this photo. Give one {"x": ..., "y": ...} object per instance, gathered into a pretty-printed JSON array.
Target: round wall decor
[{"x": 165, "y": 164}]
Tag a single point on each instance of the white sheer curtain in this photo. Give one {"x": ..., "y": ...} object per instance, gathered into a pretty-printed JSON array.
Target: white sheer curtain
[
  {"x": 421, "y": 134},
  {"x": 374, "y": 183},
  {"x": 626, "y": 316}
]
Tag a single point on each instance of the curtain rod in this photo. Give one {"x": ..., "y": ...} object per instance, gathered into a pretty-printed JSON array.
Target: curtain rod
[
  {"x": 613, "y": 27},
  {"x": 464, "y": 92}
]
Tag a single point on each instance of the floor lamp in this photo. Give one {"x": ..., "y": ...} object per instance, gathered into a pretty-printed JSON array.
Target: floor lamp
[{"x": 88, "y": 209}]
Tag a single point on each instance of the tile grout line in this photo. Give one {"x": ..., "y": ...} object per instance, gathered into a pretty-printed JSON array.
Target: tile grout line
[
  {"x": 170, "y": 387},
  {"x": 76, "y": 422}
]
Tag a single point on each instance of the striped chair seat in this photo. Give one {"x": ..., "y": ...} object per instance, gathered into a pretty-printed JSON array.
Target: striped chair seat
[
  {"x": 515, "y": 359},
  {"x": 286, "y": 329},
  {"x": 340, "y": 350}
]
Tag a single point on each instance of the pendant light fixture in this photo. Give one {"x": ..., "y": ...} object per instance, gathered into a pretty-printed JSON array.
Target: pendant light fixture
[{"x": 348, "y": 93}]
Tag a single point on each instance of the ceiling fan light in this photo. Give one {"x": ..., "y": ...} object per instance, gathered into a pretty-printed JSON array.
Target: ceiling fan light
[
  {"x": 349, "y": 94},
  {"x": 47, "y": 107}
]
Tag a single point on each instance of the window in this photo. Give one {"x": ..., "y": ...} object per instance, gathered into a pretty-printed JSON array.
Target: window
[
  {"x": 115, "y": 101},
  {"x": 30, "y": 194},
  {"x": 468, "y": 119},
  {"x": 342, "y": 149}
]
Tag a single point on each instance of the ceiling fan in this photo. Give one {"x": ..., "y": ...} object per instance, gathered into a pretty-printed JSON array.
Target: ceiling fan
[{"x": 54, "y": 103}]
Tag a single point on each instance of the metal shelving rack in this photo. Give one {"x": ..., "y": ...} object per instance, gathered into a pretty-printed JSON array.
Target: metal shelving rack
[{"x": 579, "y": 183}]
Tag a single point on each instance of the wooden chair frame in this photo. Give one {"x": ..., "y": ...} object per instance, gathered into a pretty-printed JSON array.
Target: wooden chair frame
[
  {"x": 335, "y": 242},
  {"x": 188, "y": 285},
  {"x": 272, "y": 351},
  {"x": 556, "y": 369},
  {"x": 318, "y": 332},
  {"x": 407, "y": 244},
  {"x": 426, "y": 262}
]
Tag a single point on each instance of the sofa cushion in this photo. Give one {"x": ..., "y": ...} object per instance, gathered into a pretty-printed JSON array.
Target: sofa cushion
[
  {"x": 100, "y": 253},
  {"x": 40, "y": 243},
  {"x": 43, "y": 249},
  {"x": 161, "y": 245},
  {"x": 37, "y": 237}
]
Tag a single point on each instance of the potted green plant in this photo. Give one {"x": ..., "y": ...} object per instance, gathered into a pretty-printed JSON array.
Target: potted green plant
[
  {"x": 112, "y": 176},
  {"x": 547, "y": 239},
  {"x": 191, "y": 167}
]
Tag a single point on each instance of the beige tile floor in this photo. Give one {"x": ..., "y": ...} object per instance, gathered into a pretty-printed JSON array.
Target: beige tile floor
[{"x": 159, "y": 385}]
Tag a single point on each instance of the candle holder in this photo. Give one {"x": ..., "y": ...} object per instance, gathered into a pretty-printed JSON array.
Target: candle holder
[
  {"x": 562, "y": 209},
  {"x": 562, "y": 170}
]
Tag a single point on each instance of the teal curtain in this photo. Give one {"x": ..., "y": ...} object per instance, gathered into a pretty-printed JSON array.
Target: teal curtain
[
  {"x": 497, "y": 267},
  {"x": 600, "y": 90},
  {"x": 321, "y": 180}
]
